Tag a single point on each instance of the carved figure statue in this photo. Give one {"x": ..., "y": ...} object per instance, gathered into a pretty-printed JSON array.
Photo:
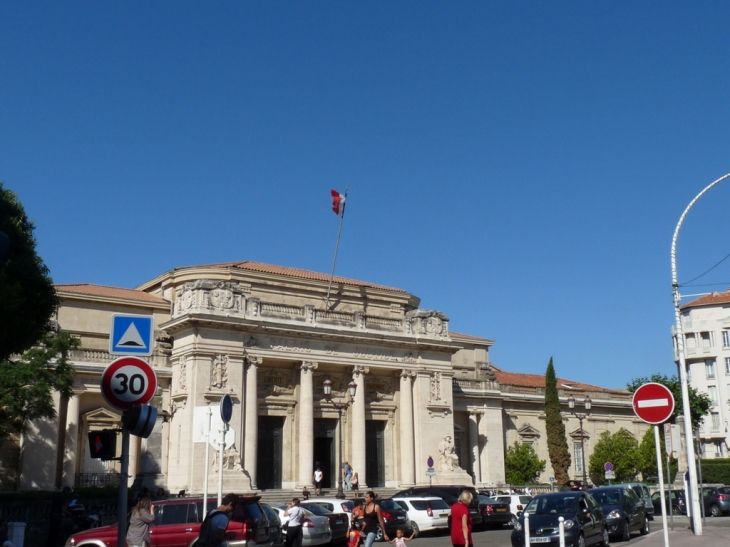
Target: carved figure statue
[
  {"x": 448, "y": 458},
  {"x": 219, "y": 372}
]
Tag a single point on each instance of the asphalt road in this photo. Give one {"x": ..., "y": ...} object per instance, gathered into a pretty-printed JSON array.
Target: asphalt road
[{"x": 501, "y": 537}]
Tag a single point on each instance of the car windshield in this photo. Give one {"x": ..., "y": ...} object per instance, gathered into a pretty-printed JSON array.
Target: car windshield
[
  {"x": 487, "y": 499},
  {"x": 607, "y": 497},
  {"x": 316, "y": 509},
  {"x": 525, "y": 499},
  {"x": 552, "y": 505}
]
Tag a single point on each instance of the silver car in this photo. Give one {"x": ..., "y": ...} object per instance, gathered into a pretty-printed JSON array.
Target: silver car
[{"x": 315, "y": 529}]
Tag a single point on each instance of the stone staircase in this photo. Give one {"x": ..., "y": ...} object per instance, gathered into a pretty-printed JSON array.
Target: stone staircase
[{"x": 285, "y": 496}]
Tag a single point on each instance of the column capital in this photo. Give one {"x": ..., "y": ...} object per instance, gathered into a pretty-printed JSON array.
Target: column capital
[
  {"x": 308, "y": 366},
  {"x": 252, "y": 360},
  {"x": 359, "y": 370},
  {"x": 405, "y": 373}
]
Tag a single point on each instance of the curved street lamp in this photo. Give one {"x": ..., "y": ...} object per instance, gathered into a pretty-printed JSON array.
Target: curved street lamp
[
  {"x": 352, "y": 389},
  {"x": 581, "y": 416}
]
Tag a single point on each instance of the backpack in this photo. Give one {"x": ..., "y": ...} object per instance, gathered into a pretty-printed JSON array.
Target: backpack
[{"x": 205, "y": 538}]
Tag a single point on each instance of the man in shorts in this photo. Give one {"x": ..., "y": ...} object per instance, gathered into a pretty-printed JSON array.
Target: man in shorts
[{"x": 317, "y": 480}]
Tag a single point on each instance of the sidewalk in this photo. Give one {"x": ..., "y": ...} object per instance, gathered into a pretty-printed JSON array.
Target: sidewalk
[{"x": 683, "y": 536}]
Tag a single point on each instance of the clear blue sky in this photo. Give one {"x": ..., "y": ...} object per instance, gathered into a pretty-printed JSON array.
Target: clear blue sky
[{"x": 519, "y": 166}]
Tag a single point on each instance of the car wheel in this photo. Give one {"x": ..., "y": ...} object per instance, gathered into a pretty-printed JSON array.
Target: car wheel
[
  {"x": 414, "y": 528},
  {"x": 626, "y": 533},
  {"x": 715, "y": 510},
  {"x": 581, "y": 541},
  {"x": 645, "y": 529},
  {"x": 605, "y": 540},
  {"x": 378, "y": 534},
  {"x": 675, "y": 511}
]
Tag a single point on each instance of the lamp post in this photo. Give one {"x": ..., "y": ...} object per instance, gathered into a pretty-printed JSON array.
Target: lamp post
[
  {"x": 352, "y": 389},
  {"x": 581, "y": 417}
]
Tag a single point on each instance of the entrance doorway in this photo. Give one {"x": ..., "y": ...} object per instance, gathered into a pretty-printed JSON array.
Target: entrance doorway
[
  {"x": 325, "y": 455},
  {"x": 375, "y": 453},
  {"x": 269, "y": 452}
]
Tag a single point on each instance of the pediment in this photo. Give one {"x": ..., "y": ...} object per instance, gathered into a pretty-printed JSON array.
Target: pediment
[
  {"x": 102, "y": 416},
  {"x": 527, "y": 431},
  {"x": 576, "y": 434}
]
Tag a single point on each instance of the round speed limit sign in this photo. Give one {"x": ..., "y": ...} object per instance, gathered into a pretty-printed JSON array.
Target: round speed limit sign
[{"x": 128, "y": 381}]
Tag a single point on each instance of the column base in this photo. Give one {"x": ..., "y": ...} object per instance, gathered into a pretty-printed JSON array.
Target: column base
[{"x": 457, "y": 476}]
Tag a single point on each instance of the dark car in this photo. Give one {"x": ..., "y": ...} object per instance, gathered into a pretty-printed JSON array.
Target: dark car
[
  {"x": 450, "y": 494},
  {"x": 275, "y": 531},
  {"x": 624, "y": 511},
  {"x": 584, "y": 523},
  {"x": 394, "y": 517},
  {"x": 717, "y": 500},
  {"x": 678, "y": 503},
  {"x": 494, "y": 513},
  {"x": 339, "y": 522},
  {"x": 177, "y": 524}
]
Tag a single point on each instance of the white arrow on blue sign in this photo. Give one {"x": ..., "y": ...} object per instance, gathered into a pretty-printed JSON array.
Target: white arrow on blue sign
[{"x": 131, "y": 334}]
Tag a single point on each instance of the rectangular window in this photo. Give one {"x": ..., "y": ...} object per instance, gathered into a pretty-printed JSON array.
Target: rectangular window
[
  {"x": 718, "y": 449},
  {"x": 715, "y": 421},
  {"x": 726, "y": 339},
  {"x": 690, "y": 341},
  {"x": 712, "y": 392},
  {"x": 727, "y": 366},
  {"x": 578, "y": 452},
  {"x": 706, "y": 340},
  {"x": 710, "y": 368}
]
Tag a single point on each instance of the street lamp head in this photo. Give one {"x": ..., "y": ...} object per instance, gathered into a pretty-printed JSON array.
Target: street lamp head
[
  {"x": 352, "y": 388},
  {"x": 327, "y": 388},
  {"x": 571, "y": 402},
  {"x": 588, "y": 402}
]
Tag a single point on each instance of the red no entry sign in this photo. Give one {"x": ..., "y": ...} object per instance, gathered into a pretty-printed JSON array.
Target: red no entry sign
[
  {"x": 128, "y": 381},
  {"x": 653, "y": 403}
]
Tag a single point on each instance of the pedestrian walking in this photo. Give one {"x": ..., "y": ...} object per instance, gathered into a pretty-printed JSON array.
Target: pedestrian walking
[
  {"x": 372, "y": 517},
  {"x": 347, "y": 472},
  {"x": 355, "y": 484},
  {"x": 213, "y": 530},
  {"x": 461, "y": 522},
  {"x": 317, "y": 480},
  {"x": 138, "y": 533},
  {"x": 400, "y": 538},
  {"x": 294, "y": 526}
]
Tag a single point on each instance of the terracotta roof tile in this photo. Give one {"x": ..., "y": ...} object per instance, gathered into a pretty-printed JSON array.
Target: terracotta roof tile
[
  {"x": 537, "y": 380},
  {"x": 709, "y": 300},
  {"x": 113, "y": 292},
  {"x": 295, "y": 272}
]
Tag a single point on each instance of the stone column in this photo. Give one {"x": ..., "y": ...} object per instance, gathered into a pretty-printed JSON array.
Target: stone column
[
  {"x": 474, "y": 444},
  {"x": 358, "y": 424},
  {"x": 72, "y": 436},
  {"x": 407, "y": 445},
  {"x": 251, "y": 442},
  {"x": 306, "y": 423}
]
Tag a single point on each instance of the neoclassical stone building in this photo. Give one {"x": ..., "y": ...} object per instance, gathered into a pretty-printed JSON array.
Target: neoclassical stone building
[{"x": 266, "y": 336}]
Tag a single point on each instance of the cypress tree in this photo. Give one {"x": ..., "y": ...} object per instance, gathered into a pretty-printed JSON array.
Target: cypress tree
[{"x": 557, "y": 442}]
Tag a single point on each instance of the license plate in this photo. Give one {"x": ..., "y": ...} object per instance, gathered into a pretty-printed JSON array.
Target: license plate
[
  {"x": 401, "y": 518},
  {"x": 443, "y": 514},
  {"x": 539, "y": 540},
  {"x": 501, "y": 510},
  {"x": 339, "y": 522}
]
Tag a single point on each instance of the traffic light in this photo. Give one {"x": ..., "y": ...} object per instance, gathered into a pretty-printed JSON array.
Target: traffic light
[{"x": 103, "y": 444}]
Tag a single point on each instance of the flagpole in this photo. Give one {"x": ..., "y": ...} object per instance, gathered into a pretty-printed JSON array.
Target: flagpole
[{"x": 337, "y": 247}]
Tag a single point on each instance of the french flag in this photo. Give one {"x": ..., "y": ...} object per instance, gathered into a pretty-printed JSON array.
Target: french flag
[{"x": 338, "y": 203}]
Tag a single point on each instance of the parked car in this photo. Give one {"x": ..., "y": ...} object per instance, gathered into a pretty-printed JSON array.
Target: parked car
[
  {"x": 517, "y": 503},
  {"x": 177, "y": 524},
  {"x": 429, "y": 513},
  {"x": 315, "y": 529},
  {"x": 678, "y": 503},
  {"x": 717, "y": 500},
  {"x": 624, "y": 511},
  {"x": 334, "y": 505},
  {"x": 642, "y": 490},
  {"x": 275, "y": 531},
  {"x": 494, "y": 513},
  {"x": 584, "y": 520},
  {"x": 339, "y": 521},
  {"x": 394, "y": 517},
  {"x": 450, "y": 494}
]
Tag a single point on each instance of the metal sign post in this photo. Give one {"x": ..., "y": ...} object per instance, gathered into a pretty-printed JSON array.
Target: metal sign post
[
  {"x": 226, "y": 409},
  {"x": 123, "y": 485},
  {"x": 661, "y": 484}
]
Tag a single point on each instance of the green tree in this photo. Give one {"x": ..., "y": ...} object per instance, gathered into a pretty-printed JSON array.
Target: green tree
[
  {"x": 26, "y": 384},
  {"x": 521, "y": 464},
  {"x": 699, "y": 403},
  {"x": 27, "y": 296},
  {"x": 647, "y": 454},
  {"x": 557, "y": 442},
  {"x": 621, "y": 449}
]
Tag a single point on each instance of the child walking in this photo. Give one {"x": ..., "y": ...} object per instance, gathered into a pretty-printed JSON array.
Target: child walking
[{"x": 400, "y": 539}]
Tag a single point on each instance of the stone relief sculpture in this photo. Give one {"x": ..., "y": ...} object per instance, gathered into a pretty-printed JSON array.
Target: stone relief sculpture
[
  {"x": 231, "y": 459},
  {"x": 435, "y": 386},
  {"x": 427, "y": 322},
  {"x": 219, "y": 372},
  {"x": 448, "y": 459},
  {"x": 211, "y": 294},
  {"x": 182, "y": 381}
]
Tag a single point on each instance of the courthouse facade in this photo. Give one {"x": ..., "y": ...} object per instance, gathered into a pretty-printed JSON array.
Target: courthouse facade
[{"x": 266, "y": 336}]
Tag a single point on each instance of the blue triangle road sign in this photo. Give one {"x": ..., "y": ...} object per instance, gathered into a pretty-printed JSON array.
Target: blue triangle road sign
[{"x": 131, "y": 334}]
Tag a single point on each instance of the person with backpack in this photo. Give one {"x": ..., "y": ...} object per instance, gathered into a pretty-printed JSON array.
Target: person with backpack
[{"x": 213, "y": 529}]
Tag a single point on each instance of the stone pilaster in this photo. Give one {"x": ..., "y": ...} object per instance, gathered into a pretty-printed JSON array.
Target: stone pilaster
[
  {"x": 306, "y": 423},
  {"x": 474, "y": 445},
  {"x": 72, "y": 436},
  {"x": 250, "y": 443},
  {"x": 358, "y": 424},
  {"x": 407, "y": 445}
]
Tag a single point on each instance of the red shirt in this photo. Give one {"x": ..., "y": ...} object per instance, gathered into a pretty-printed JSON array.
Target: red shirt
[{"x": 458, "y": 510}]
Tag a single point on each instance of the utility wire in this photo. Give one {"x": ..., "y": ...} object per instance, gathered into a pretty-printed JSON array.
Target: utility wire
[{"x": 708, "y": 271}]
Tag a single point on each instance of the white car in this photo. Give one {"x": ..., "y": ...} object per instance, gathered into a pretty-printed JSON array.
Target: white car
[
  {"x": 315, "y": 529},
  {"x": 333, "y": 505},
  {"x": 517, "y": 502},
  {"x": 427, "y": 513}
]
